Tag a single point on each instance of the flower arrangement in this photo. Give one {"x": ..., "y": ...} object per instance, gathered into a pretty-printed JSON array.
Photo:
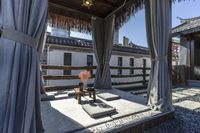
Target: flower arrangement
[{"x": 84, "y": 76}]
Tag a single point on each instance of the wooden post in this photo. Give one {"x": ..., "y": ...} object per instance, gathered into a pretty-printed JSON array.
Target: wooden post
[
  {"x": 144, "y": 72},
  {"x": 94, "y": 96},
  {"x": 170, "y": 66},
  {"x": 79, "y": 98},
  {"x": 192, "y": 57}
]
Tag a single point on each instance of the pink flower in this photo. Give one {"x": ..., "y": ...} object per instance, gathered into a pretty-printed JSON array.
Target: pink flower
[{"x": 84, "y": 75}]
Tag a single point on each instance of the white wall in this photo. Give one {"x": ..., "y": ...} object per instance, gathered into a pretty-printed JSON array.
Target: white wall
[{"x": 56, "y": 57}]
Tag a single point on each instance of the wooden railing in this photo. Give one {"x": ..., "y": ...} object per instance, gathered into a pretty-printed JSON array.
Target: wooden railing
[
  {"x": 69, "y": 77},
  {"x": 53, "y": 67},
  {"x": 143, "y": 74}
]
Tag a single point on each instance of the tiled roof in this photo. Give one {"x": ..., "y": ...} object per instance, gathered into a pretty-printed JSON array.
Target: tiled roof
[
  {"x": 69, "y": 41},
  {"x": 77, "y": 42},
  {"x": 188, "y": 26}
]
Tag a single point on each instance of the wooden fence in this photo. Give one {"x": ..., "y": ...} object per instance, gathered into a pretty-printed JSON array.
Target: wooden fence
[
  {"x": 180, "y": 74},
  {"x": 143, "y": 74}
]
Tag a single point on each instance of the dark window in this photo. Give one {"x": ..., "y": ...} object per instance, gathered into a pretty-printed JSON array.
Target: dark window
[
  {"x": 131, "y": 65},
  {"x": 144, "y": 63},
  {"x": 144, "y": 71},
  {"x": 120, "y": 65},
  {"x": 90, "y": 61},
  {"x": 67, "y": 62}
]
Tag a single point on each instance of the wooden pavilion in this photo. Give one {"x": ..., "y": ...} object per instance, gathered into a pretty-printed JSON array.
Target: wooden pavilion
[
  {"x": 73, "y": 15},
  {"x": 23, "y": 34},
  {"x": 101, "y": 17}
]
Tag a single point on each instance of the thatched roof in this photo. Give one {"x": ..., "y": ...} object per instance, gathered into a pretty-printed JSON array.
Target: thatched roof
[
  {"x": 70, "y": 14},
  {"x": 64, "y": 22}
]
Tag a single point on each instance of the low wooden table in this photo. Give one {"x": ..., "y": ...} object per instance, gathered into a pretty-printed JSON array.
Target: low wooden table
[{"x": 79, "y": 93}]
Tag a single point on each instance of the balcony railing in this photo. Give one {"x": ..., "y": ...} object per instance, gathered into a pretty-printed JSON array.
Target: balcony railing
[{"x": 143, "y": 74}]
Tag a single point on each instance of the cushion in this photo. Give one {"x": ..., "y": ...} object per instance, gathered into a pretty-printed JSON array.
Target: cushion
[
  {"x": 108, "y": 96},
  {"x": 45, "y": 97},
  {"x": 71, "y": 93},
  {"x": 98, "y": 110}
]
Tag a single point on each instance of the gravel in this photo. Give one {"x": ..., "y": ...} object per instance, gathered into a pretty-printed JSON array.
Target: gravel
[{"x": 186, "y": 120}]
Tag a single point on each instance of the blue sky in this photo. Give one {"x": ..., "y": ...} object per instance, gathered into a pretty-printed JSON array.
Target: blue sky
[{"x": 135, "y": 30}]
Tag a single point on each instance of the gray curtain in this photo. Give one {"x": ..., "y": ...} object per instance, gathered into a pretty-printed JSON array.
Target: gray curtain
[
  {"x": 19, "y": 69},
  {"x": 103, "y": 34},
  {"x": 158, "y": 25}
]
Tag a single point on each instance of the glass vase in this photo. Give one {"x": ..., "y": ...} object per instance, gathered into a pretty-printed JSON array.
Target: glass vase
[{"x": 84, "y": 84}]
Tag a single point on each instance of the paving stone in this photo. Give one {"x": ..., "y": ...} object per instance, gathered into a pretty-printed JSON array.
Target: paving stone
[{"x": 188, "y": 104}]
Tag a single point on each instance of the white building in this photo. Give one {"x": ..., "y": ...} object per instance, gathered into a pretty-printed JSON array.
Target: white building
[{"x": 79, "y": 52}]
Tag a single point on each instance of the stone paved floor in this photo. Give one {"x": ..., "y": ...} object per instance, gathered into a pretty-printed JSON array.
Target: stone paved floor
[
  {"x": 64, "y": 114},
  {"x": 187, "y": 114}
]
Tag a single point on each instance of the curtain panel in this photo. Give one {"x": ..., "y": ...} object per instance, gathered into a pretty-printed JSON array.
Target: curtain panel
[
  {"x": 158, "y": 25},
  {"x": 19, "y": 69},
  {"x": 103, "y": 34}
]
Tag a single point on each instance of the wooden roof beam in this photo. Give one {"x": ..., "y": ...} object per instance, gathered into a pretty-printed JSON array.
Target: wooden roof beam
[
  {"x": 73, "y": 7},
  {"x": 107, "y": 3},
  {"x": 69, "y": 11}
]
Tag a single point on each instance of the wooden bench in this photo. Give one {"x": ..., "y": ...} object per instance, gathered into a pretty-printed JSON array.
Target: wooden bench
[{"x": 79, "y": 93}]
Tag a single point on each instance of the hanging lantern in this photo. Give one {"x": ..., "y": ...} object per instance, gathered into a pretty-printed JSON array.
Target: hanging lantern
[{"x": 87, "y": 3}]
